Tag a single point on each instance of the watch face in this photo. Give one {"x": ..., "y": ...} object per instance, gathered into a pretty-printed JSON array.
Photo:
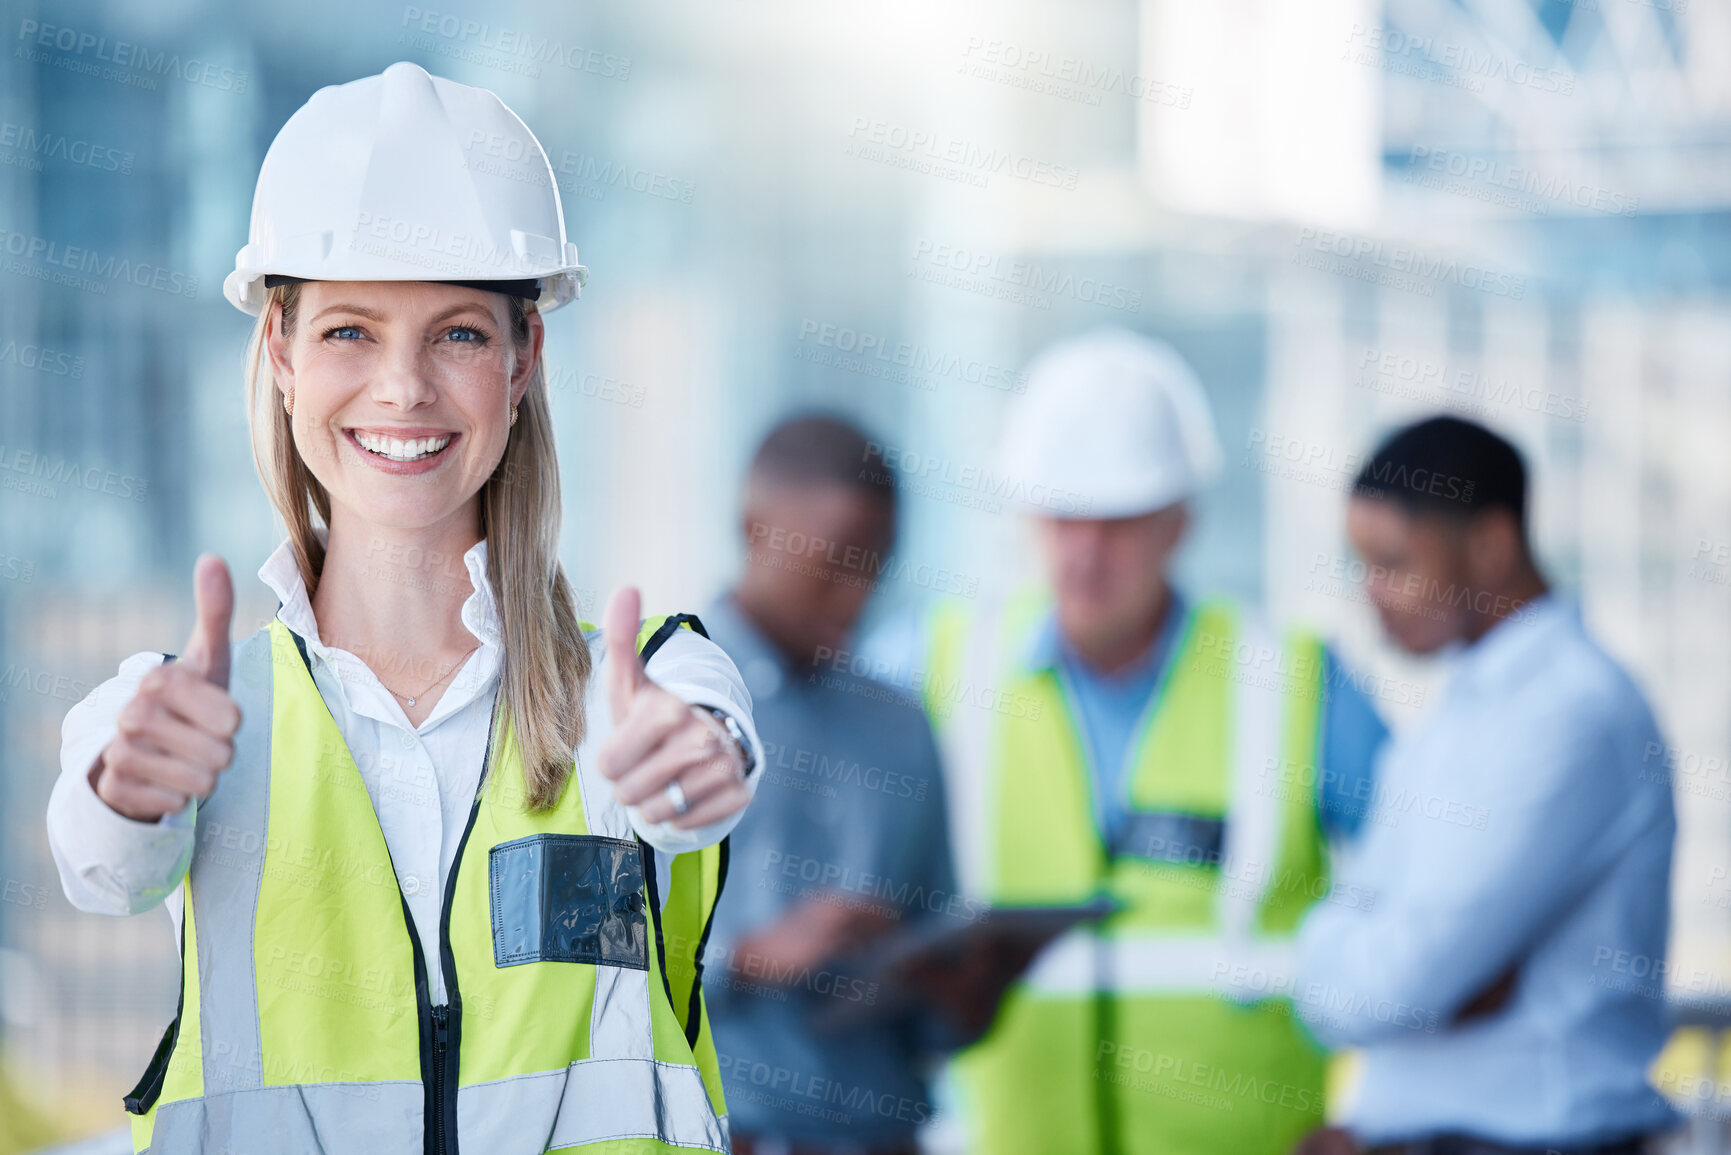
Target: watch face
[
  {"x": 740, "y": 736},
  {"x": 737, "y": 733}
]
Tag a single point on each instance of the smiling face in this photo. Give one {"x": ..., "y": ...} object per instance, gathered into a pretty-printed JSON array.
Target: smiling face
[{"x": 402, "y": 393}]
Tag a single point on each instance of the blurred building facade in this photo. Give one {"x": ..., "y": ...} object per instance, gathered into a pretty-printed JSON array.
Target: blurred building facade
[{"x": 1344, "y": 218}]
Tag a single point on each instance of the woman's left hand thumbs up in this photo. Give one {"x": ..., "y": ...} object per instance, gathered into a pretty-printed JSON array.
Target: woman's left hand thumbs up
[{"x": 666, "y": 757}]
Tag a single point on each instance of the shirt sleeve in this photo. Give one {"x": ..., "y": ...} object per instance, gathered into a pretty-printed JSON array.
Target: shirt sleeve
[
  {"x": 1557, "y": 808},
  {"x": 694, "y": 668},
  {"x": 108, "y": 863},
  {"x": 1353, "y": 734}
]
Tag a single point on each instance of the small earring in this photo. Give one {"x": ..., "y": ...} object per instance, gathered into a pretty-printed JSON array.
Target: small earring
[
  {"x": 288, "y": 402},
  {"x": 513, "y": 416}
]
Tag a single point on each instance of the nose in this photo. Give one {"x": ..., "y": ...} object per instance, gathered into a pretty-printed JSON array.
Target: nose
[
  {"x": 1083, "y": 544},
  {"x": 401, "y": 381}
]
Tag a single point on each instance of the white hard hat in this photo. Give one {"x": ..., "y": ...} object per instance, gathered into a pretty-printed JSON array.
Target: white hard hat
[
  {"x": 405, "y": 176},
  {"x": 1113, "y": 424}
]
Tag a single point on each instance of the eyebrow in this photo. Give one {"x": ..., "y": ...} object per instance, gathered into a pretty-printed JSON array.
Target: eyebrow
[{"x": 376, "y": 315}]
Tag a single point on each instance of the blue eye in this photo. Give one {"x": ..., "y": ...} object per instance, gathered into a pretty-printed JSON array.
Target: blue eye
[
  {"x": 353, "y": 331},
  {"x": 471, "y": 336}
]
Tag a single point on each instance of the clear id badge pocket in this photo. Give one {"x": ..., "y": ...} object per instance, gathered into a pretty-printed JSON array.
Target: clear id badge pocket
[{"x": 568, "y": 898}]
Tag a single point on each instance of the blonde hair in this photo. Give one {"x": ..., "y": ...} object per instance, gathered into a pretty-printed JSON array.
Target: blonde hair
[{"x": 546, "y": 663}]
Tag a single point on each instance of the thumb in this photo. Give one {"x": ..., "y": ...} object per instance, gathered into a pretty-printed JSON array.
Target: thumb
[
  {"x": 625, "y": 674},
  {"x": 213, "y": 609}
]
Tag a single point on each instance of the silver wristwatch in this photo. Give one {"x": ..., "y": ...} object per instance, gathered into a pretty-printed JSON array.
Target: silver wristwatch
[{"x": 737, "y": 733}]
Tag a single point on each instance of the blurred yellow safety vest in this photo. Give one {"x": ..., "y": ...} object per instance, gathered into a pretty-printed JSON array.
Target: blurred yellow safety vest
[
  {"x": 1166, "y": 1028},
  {"x": 574, "y": 1017}
]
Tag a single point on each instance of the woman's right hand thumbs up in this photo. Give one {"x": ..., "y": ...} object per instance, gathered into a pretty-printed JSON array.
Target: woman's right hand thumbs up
[{"x": 177, "y": 733}]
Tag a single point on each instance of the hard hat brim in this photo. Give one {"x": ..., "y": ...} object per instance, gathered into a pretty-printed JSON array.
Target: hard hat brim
[{"x": 245, "y": 289}]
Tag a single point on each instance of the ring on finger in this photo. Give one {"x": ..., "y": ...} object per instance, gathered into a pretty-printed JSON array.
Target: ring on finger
[{"x": 676, "y": 797}]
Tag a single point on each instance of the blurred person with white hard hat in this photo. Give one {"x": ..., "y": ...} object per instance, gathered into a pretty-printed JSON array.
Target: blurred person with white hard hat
[
  {"x": 440, "y": 856},
  {"x": 1108, "y": 733}
]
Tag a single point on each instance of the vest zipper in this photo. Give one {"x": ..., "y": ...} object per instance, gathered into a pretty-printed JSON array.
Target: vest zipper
[
  {"x": 442, "y": 1026},
  {"x": 432, "y": 1139},
  {"x": 445, "y": 1022},
  {"x": 440, "y": 1043}
]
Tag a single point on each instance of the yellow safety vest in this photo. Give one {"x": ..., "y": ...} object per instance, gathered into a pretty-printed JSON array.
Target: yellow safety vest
[
  {"x": 574, "y": 1018},
  {"x": 1165, "y": 1028}
]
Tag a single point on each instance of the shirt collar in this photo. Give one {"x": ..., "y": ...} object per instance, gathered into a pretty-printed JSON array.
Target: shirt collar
[
  {"x": 1042, "y": 651},
  {"x": 1046, "y": 647},
  {"x": 1499, "y": 655},
  {"x": 764, "y": 668},
  {"x": 283, "y": 575}
]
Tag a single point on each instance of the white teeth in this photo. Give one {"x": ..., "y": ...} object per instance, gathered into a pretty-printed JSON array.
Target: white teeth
[{"x": 396, "y": 450}]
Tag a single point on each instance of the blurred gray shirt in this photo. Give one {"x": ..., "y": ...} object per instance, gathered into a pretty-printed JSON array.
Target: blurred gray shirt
[{"x": 850, "y": 809}]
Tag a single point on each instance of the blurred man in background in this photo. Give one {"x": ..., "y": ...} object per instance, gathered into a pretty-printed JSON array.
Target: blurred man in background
[
  {"x": 1110, "y": 733},
  {"x": 1527, "y": 859},
  {"x": 847, "y": 838}
]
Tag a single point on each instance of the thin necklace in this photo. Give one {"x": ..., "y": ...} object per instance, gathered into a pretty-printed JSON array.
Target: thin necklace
[{"x": 435, "y": 681}]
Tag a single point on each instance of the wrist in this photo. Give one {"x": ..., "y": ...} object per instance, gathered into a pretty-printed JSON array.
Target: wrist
[
  {"x": 115, "y": 805},
  {"x": 733, "y": 738},
  {"x": 97, "y": 769}
]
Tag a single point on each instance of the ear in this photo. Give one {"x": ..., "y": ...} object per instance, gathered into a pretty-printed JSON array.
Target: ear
[
  {"x": 1180, "y": 523},
  {"x": 1493, "y": 548},
  {"x": 525, "y": 366},
  {"x": 756, "y": 523},
  {"x": 891, "y": 525},
  {"x": 756, "y": 511},
  {"x": 277, "y": 349},
  {"x": 1170, "y": 524}
]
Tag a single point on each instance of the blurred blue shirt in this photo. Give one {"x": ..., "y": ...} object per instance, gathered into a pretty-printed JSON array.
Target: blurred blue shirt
[
  {"x": 1525, "y": 822},
  {"x": 1110, "y": 706},
  {"x": 850, "y": 812}
]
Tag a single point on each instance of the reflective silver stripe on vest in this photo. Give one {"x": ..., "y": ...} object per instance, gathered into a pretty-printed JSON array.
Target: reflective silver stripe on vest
[
  {"x": 306, "y": 1119},
  {"x": 1168, "y": 964},
  {"x": 970, "y": 773},
  {"x": 591, "y": 1101},
  {"x": 612, "y": 1099},
  {"x": 227, "y": 866},
  {"x": 1253, "y": 823}
]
